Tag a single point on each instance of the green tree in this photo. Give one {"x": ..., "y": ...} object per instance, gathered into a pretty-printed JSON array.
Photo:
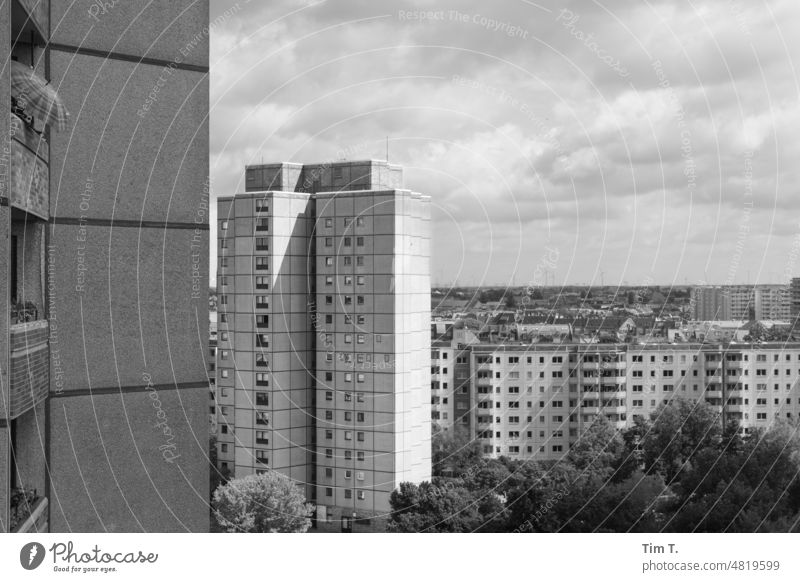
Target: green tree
[
  {"x": 266, "y": 503},
  {"x": 679, "y": 431},
  {"x": 453, "y": 453},
  {"x": 600, "y": 447},
  {"x": 749, "y": 485},
  {"x": 440, "y": 506}
]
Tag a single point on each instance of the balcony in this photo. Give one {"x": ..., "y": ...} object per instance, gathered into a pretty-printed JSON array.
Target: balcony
[
  {"x": 30, "y": 182},
  {"x": 28, "y": 512},
  {"x": 29, "y": 366}
]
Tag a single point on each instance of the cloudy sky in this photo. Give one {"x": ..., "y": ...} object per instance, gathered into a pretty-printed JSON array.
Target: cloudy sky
[{"x": 615, "y": 141}]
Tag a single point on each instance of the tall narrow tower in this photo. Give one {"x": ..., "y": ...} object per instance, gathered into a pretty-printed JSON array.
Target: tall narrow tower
[{"x": 328, "y": 330}]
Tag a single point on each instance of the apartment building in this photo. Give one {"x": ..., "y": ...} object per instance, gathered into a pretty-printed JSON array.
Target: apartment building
[
  {"x": 772, "y": 302},
  {"x": 794, "y": 298},
  {"x": 535, "y": 401},
  {"x": 741, "y": 302},
  {"x": 710, "y": 303},
  {"x": 104, "y": 389},
  {"x": 324, "y": 338}
]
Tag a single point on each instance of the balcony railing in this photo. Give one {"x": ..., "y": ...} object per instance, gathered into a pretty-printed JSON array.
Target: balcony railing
[
  {"x": 30, "y": 177},
  {"x": 29, "y": 365}
]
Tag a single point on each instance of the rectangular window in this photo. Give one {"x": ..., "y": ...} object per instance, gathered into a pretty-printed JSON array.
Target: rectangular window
[
  {"x": 360, "y": 241},
  {"x": 262, "y": 399},
  {"x": 348, "y": 241},
  {"x": 359, "y": 261},
  {"x": 262, "y": 243},
  {"x": 262, "y": 320},
  {"x": 328, "y": 261},
  {"x": 262, "y": 457},
  {"x": 262, "y": 418},
  {"x": 262, "y": 437},
  {"x": 262, "y": 224},
  {"x": 262, "y": 301},
  {"x": 262, "y": 282},
  {"x": 262, "y": 379},
  {"x": 262, "y": 205}
]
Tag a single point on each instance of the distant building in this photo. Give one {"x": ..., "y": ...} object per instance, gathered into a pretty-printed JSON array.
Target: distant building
[
  {"x": 710, "y": 303},
  {"x": 741, "y": 302},
  {"x": 794, "y": 298},
  {"x": 535, "y": 401}
]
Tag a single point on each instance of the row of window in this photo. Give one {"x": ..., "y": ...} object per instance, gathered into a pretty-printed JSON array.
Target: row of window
[
  {"x": 348, "y": 416},
  {"x": 348, "y": 455},
  {"x": 346, "y": 299},
  {"x": 348, "y": 261},
  {"x": 348, "y": 319},
  {"x": 636, "y": 359},
  {"x": 348, "y": 474},
  {"x": 348, "y": 435},
  {"x": 347, "y": 280},
  {"x": 348, "y": 493},
  {"x": 262, "y": 282},
  {"x": 347, "y": 241},
  {"x": 262, "y": 224},
  {"x": 346, "y": 221}
]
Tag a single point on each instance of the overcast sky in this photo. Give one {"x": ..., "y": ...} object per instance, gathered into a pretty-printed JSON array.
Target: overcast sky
[{"x": 629, "y": 142}]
